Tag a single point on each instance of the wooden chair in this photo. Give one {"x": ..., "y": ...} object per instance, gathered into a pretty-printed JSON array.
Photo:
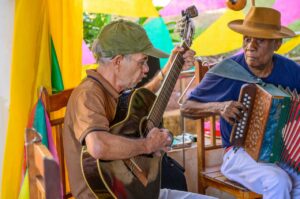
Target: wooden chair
[
  {"x": 211, "y": 176},
  {"x": 43, "y": 170},
  {"x": 54, "y": 103}
]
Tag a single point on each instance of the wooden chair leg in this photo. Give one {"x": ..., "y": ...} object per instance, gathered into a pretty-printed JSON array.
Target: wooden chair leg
[{"x": 201, "y": 186}]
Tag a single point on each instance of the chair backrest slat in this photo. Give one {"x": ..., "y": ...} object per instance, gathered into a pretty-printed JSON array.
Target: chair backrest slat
[
  {"x": 54, "y": 103},
  {"x": 43, "y": 170}
]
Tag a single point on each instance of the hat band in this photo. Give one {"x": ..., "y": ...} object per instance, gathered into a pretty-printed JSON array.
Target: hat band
[{"x": 261, "y": 26}]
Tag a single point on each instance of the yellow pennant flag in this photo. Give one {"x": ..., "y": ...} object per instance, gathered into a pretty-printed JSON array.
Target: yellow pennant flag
[
  {"x": 134, "y": 8},
  {"x": 34, "y": 22},
  {"x": 66, "y": 29},
  {"x": 67, "y": 32},
  {"x": 30, "y": 69},
  {"x": 289, "y": 45},
  {"x": 218, "y": 38}
]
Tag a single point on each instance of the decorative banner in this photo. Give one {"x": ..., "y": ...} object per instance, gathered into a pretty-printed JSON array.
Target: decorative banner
[
  {"x": 87, "y": 55},
  {"x": 175, "y": 7},
  {"x": 31, "y": 68},
  {"x": 289, "y": 45},
  {"x": 290, "y": 10},
  {"x": 218, "y": 38},
  {"x": 39, "y": 120},
  {"x": 65, "y": 20},
  {"x": 134, "y": 8},
  {"x": 160, "y": 37},
  {"x": 56, "y": 78}
]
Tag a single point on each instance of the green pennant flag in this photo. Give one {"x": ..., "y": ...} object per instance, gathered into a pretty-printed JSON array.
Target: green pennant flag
[
  {"x": 56, "y": 78},
  {"x": 39, "y": 122}
]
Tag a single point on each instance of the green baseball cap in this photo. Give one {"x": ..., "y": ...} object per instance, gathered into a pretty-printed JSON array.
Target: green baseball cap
[{"x": 124, "y": 37}]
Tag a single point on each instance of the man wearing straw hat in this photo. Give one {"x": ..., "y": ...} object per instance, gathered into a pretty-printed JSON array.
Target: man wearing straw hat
[{"x": 217, "y": 95}]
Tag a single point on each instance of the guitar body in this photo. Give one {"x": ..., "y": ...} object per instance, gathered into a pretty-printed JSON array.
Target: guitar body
[{"x": 138, "y": 177}]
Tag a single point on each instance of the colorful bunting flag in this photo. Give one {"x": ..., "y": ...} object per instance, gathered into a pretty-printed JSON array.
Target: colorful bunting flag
[
  {"x": 290, "y": 11},
  {"x": 24, "y": 193},
  {"x": 29, "y": 54},
  {"x": 31, "y": 68},
  {"x": 289, "y": 45},
  {"x": 56, "y": 78},
  {"x": 175, "y": 7},
  {"x": 160, "y": 37},
  {"x": 40, "y": 122},
  {"x": 66, "y": 29},
  {"x": 87, "y": 55},
  {"x": 218, "y": 38}
]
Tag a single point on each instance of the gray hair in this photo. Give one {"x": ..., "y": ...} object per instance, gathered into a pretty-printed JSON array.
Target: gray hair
[{"x": 98, "y": 52}]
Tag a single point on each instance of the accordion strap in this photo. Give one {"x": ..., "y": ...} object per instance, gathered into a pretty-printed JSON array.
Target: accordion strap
[{"x": 233, "y": 70}]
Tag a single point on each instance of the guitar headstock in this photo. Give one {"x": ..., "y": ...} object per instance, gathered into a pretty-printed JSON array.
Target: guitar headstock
[{"x": 186, "y": 26}]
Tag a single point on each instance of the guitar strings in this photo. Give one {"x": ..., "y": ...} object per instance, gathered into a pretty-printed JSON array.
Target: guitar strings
[{"x": 155, "y": 116}]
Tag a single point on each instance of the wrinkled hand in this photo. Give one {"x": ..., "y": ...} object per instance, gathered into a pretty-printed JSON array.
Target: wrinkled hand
[
  {"x": 158, "y": 140},
  {"x": 188, "y": 56},
  {"x": 231, "y": 111}
]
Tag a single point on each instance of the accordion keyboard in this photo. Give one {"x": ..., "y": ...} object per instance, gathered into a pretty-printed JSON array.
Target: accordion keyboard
[{"x": 247, "y": 97}]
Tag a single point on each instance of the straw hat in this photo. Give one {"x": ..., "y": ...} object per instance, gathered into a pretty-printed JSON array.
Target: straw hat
[{"x": 261, "y": 22}]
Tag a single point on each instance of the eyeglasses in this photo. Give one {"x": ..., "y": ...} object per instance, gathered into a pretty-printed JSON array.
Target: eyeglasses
[{"x": 140, "y": 63}]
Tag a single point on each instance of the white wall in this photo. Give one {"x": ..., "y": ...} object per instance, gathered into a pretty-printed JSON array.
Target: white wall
[{"x": 7, "y": 8}]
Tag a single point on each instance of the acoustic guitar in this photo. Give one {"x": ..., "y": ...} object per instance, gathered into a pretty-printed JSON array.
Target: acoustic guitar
[{"x": 138, "y": 112}]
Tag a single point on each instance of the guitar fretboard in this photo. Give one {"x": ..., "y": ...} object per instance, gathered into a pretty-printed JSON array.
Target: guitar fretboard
[{"x": 161, "y": 102}]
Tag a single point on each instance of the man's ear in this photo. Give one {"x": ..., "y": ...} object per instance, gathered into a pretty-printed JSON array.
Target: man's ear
[
  {"x": 278, "y": 43},
  {"x": 117, "y": 59}
]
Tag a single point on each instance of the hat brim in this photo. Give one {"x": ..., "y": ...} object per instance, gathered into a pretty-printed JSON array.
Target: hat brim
[
  {"x": 238, "y": 26},
  {"x": 154, "y": 52}
]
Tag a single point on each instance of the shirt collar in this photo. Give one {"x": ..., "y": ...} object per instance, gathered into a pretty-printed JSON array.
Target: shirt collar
[{"x": 101, "y": 80}]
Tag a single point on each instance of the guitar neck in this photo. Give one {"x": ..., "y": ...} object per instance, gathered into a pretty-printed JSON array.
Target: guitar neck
[{"x": 160, "y": 104}]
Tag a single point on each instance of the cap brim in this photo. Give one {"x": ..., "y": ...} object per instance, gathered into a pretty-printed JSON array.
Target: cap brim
[
  {"x": 237, "y": 26},
  {"x": 154, "y": 52}
]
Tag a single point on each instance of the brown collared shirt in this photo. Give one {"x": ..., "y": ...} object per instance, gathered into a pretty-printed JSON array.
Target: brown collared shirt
[{"x": 91, "y": 107}]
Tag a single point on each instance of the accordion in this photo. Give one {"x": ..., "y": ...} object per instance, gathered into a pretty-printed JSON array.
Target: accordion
[{"x": 269, "y": 129}]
